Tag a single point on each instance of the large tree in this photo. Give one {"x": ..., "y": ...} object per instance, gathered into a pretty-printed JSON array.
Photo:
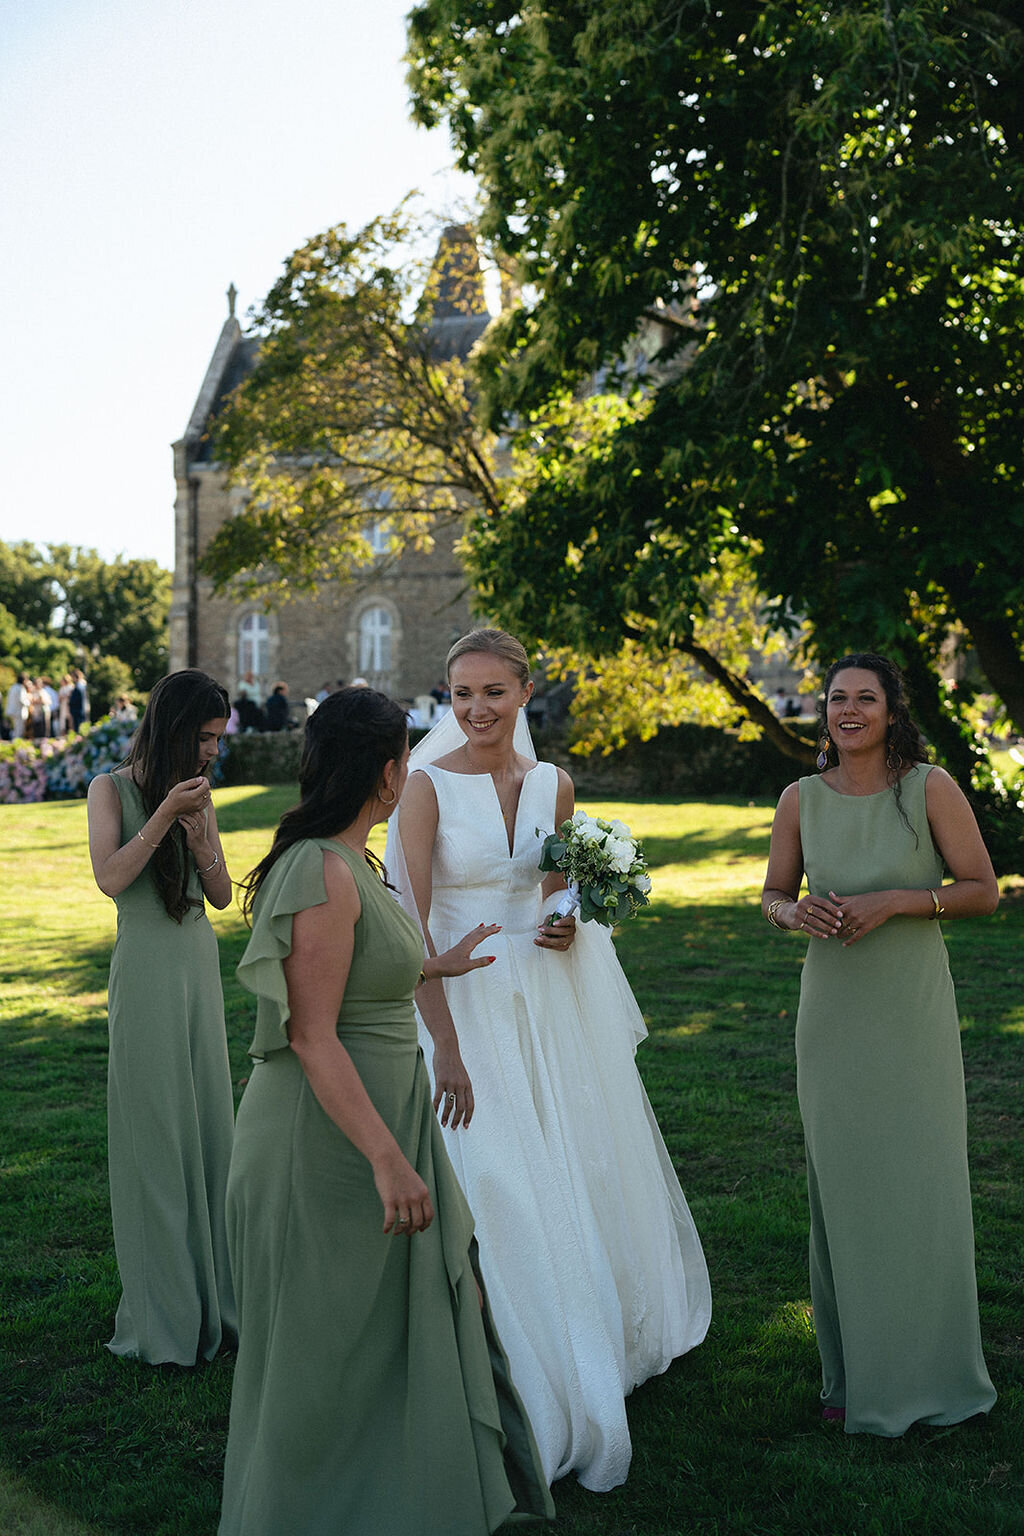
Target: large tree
[
  {"x": 60, "y": 602},
  {"x": 115, "y": 607},
  {"x": 354, "y": 414},
  {"x": 819, "y": 208},
  {"x": 357, "y": 414}
]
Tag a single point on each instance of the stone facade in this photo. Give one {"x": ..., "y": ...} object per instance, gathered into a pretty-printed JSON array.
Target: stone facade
[{"x": 393, "y": 625}]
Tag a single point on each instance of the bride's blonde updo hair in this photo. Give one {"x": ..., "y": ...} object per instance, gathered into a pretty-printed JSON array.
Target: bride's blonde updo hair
[{"x": 493, "y": 642}]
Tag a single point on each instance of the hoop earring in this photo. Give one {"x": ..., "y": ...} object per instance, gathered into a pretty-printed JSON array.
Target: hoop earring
[
  {"x": 380, "y": 797},
  {"x": 822, "y": 758},
  {"x": 893, "y": 759}
]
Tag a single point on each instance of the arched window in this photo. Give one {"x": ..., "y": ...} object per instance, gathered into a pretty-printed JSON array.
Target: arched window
[
  {"x": 254, "y": 646},
  {"x": 374, "y": 641}
]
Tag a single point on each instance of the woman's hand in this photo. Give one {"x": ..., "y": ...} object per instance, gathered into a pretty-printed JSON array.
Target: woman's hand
[
  {"x": 452, "y": 1087},
  {"x": 819, "y": 916},
  {"x": 559, "y": 934},
  {"x": 407, "y": 1203},
  {"x": 460, "y": 958},
  {"x": 190, "y": 797},
  {"x": 863, "y": 914}
]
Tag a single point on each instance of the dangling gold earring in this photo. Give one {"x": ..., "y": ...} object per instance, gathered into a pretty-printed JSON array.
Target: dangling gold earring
[
  {"x": 822, "y": 759},
  {"x": 380, "y": 797},
  {"x": 893, "y": 759}
]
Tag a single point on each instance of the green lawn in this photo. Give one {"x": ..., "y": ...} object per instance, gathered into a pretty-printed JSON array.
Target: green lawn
[{"x": 728, "y": 1440}]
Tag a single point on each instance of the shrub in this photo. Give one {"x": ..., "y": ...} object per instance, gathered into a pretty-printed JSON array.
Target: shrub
[
  {"x": 262, "y": 757},
  {"x": 682, "y": 760},
  {"x": 23, "y": 768},
  {"x": 63, "y": 767}
]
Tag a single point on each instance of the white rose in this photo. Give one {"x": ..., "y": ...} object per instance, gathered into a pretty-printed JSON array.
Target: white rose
[
  {"x": 620, "y": 853},
  {"x": 619, "y": 829},
  {"x": 642, "y": 883}
]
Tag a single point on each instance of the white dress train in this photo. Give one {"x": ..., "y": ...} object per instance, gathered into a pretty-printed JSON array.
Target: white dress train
[{"x": 592, "y": 1262}]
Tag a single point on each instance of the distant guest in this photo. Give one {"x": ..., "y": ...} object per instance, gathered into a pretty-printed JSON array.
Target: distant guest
[
  {"x": 277, "y": 710},
  {"x": 78, "y": 700}
]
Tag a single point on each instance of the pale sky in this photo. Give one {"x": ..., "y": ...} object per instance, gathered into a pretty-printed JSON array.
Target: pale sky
[{"x": 155, "y": 151}]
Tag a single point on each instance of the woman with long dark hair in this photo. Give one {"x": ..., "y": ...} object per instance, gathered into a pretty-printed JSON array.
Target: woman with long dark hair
[
  {"x": 155, "y": 849},
  {"x": 879, "y": 1069},
  {"x": 370, "y": 1394}
]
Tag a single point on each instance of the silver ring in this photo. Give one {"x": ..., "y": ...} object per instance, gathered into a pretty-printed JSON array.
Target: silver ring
[
  {"x": 403, "y": 1221},
  {"x": 452, "y": 1097}
]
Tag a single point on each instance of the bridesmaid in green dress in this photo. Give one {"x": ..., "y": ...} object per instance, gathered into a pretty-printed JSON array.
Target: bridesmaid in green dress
[
  {"x": 879, "y": 1069},
  {"x": 370, "y": 1394},
  {"x": 155, "y": 849}
]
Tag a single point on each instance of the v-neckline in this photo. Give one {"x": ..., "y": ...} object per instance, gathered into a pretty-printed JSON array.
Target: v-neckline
[{"x": 510, "y": 834}]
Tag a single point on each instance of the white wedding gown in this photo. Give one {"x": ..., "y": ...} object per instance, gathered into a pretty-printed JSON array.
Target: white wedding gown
[{"x": 593, "y": 1266}]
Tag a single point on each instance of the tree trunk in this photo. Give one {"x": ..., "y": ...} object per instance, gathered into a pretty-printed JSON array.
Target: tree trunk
[{"x": 797, "y": 747}]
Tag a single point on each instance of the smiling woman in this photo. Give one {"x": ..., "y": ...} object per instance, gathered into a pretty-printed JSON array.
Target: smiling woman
[
  {"x": 592, "y": 1261},
  {"x": 879, "y": 1071}
]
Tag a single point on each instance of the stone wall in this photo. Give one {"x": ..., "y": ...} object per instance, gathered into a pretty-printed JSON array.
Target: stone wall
[{"x": 421, "y": 597}]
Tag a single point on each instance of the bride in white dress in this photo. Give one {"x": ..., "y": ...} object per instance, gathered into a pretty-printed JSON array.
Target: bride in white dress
[{"x": 593, "y": 1266}]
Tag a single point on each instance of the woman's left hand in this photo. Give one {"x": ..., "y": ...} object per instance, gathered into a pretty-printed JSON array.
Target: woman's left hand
[
  {"x": 561, "y": 934},
  {"x": 194, "y": 823},
  {"x": 861, "y": 915},
  {"x": 460, "y": 958},
  {"x": 453, "y": 1091}
]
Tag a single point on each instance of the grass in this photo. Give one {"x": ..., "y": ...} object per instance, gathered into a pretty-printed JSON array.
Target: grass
[{"x": 728, "y": 1440}]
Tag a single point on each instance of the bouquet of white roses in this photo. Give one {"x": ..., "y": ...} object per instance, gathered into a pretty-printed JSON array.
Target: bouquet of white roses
[{"x": 604, "y": 868}]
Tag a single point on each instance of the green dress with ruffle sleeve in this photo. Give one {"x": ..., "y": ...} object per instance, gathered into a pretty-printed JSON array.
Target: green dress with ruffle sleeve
[{"x": 371, "y": 1396}]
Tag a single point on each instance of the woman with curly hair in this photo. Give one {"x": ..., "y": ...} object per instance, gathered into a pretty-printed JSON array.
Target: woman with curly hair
[
  {"x": 155, "y": 849},
  {"x": 879, "y": 1069}
]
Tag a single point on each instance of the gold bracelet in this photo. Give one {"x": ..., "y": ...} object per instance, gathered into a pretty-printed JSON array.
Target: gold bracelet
[
  {"x": 422, "y": 978},
  {"x": 144, "y": 840},
  {"x": 773, "y": 907},
  {"x": 939, "y": 908}
]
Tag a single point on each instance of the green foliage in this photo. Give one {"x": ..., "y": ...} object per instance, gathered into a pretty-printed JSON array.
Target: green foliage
[
  {"x": 262, "y": 757},
  {"x": 352, "y": 415},
  {"x": 116, "y": 609},
  {"x": 40, "y": 653},
  {"x": 109, "y": 676},
  {"x": 649, "y": 683},
  {"x": 26, "y": 586},
  {"x": 61, "y": 605},
  {"x": 813, "y": 218}
]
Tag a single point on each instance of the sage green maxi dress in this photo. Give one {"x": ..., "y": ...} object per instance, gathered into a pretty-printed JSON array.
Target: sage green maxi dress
[
  {"x": 170, "y": 1116},
  {"x": 881, "y": 1088},
  {"x": 371, "y": 1397}
]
